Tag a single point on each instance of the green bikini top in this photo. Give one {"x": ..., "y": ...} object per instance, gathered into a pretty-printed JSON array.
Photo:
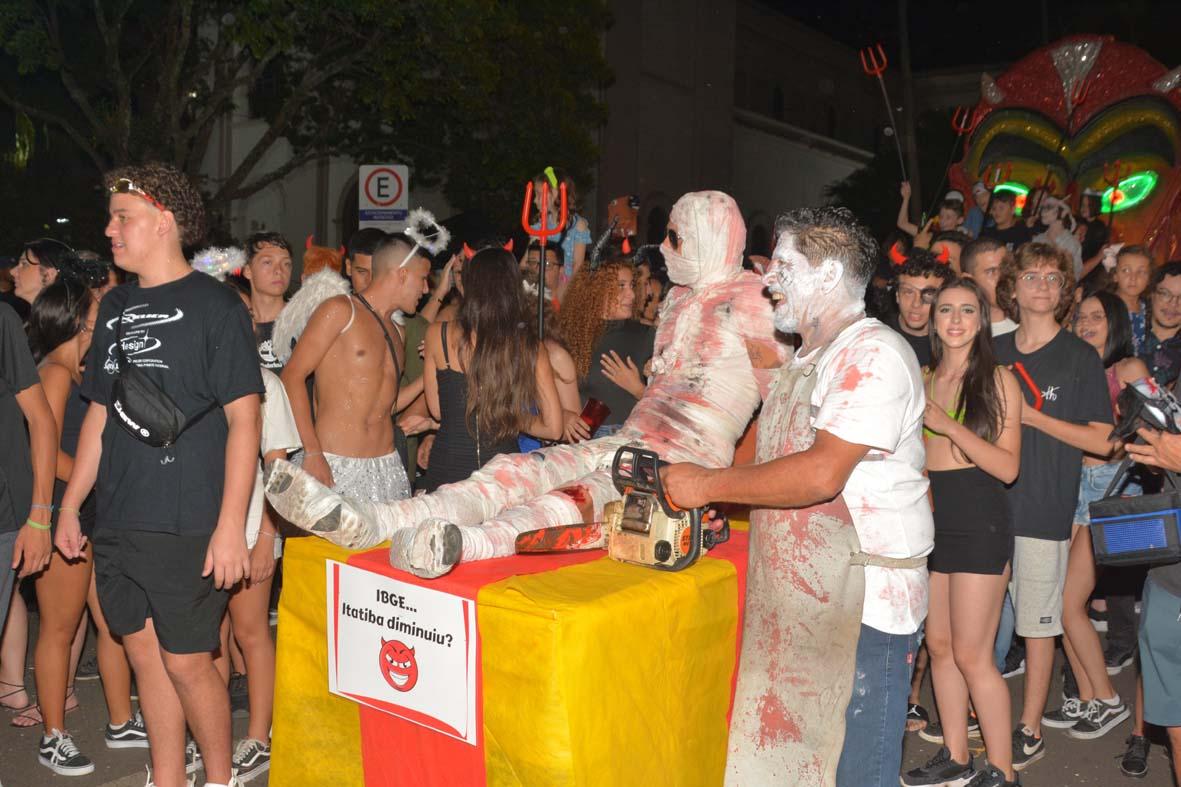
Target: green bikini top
[{"x": 957, "y": 417}]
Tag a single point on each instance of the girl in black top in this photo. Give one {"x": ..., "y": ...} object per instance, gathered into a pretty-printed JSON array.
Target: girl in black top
[
  {"x": 484, "y": 376},
  {"x": 61, "y": 324}
]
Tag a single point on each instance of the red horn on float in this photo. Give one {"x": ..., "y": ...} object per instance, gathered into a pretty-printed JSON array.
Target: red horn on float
[
  {"x": 627, "y": 247},
  {"x": 307, "y": 244},
  {"x": 944, "y": 257},
  {"x": 896, "y": 255},
  {"x": 468, "y": 251}
]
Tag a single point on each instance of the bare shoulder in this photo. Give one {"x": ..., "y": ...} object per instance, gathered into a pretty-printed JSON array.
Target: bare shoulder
[
  {"x": 55, "y": 379},
  {"x": 1007, "y": 382},
  {"x": 338, "y": 308},
  {"x": 559, "y": 358}
]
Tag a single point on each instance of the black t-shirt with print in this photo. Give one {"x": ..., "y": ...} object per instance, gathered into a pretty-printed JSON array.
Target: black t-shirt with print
[
  {"x": 193, "y": 338},
  {"x": 1069, "y": 374},
  {"x": 628, "y": 339},
  {"x": 1012, "y": 237},
  {"x": 17, "y": 372},
  {"x": 263, "y": 332}
]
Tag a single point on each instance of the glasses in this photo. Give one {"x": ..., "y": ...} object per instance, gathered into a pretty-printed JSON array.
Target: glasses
[
  {"x": 1167, "y": 296},
  {"x": 926, "y": 295},
  {"x": 127, "y": 186},
  {"x": 1054, "y": 281}
]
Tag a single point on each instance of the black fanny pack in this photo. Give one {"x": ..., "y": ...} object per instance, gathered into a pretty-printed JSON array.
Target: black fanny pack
[{"x": 139, "y": 405}]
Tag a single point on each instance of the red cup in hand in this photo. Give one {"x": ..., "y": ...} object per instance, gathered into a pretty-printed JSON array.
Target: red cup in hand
[{"x": 594, "y": 414}]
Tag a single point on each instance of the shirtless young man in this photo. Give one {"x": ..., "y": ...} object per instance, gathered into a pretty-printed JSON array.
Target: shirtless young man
[{"x": 348, "y": 345}]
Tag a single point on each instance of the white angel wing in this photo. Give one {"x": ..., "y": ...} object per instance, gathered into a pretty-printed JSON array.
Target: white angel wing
[{"x": 315, "y": 289}]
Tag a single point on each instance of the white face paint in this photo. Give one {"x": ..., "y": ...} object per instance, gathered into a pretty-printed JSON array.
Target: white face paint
[{"x": 792, "y": 281}]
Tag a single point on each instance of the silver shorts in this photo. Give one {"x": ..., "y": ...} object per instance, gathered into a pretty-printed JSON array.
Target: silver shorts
[{"x": 375, "y": 479}]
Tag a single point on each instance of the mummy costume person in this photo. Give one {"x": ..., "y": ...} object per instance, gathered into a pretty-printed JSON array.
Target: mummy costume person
[{"x": 715, "y": 354}]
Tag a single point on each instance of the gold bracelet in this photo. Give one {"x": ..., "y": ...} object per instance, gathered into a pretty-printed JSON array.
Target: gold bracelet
[
  {"x": 36, "y": 525},
  {"x": 71, "y": 510}
]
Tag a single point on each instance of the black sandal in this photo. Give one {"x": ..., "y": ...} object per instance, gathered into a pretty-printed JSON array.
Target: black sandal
[{"x": 915, "y": 712}]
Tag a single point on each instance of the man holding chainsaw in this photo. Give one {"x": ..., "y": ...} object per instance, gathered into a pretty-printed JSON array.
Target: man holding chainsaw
[{"x": 837, "y": 551}]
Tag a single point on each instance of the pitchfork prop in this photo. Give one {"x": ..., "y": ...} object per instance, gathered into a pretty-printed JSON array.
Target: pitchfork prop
[
  {"x": 873, "y": 63},
  {"x": 963, "y": 121},
  {"x": 543, "y": 232}
]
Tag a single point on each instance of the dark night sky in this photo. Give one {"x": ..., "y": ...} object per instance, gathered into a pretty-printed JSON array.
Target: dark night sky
[{"x": 960, "y": 33}]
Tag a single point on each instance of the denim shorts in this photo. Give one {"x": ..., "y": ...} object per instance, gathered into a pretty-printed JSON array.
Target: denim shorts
[{"x": 1093, "y": 484}]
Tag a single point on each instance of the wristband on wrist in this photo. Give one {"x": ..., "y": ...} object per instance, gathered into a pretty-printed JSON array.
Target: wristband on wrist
[
  {"x": 36, "y": 525},
  {"x": 270, "y": 533},
  {"x": 306, "y": 454},
  {"x": 71, "y": 510},
  {"x": 42, "y": 505}
]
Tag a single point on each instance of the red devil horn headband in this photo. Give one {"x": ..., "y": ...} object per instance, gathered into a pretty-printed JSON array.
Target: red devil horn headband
[
  {"x": 944, "y": 256},
  {"x": 307, "y": 244},
  {"x": 896, "y": 255},
  {"x": 468, "y": 252}
]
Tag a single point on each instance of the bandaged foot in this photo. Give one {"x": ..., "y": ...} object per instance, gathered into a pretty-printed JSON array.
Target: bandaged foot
[
  {"x": 429, "y": 550},
  {"x": 309, "y": 505}
]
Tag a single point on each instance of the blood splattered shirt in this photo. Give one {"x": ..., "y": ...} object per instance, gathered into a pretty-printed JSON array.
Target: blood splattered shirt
[{"x": 870, "y": 392}]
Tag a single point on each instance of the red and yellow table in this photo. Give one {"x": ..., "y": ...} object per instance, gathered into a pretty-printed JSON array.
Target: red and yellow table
[{"x": 591, "y": 672}]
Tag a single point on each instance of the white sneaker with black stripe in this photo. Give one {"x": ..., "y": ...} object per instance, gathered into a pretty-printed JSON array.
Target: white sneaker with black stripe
[
  {"x": 59, "y": 754},
  {"x": 132, "y": 734},
  {"x": 1071, "y": 713},
  {"x": 193, "y": 761},
  {"x": 251, "y": 758}
]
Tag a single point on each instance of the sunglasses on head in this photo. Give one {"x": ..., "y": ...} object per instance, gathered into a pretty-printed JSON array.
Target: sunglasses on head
[{"x": 127, "y": 186}]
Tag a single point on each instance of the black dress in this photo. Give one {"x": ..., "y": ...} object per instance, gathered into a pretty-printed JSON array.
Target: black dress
[
  {"x": 72, "y": 418},
  {"x": 456, "y": 454}
]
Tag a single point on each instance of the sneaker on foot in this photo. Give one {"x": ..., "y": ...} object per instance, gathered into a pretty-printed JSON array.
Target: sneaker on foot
[
  {"x": 1116, "y": 660},
  {"x": 1101, "y": 718},
  {"x": 933, "y": 732},
  {"x": 1014, "y": 659},
  {"x": 132, "y": 734},
  {"x": 239, "y": 695},
  {"x": 251, "y": 757},
  {"x": 1134, "y": 761},
  {"x": 1071, "y": 713},
  {"x": 1098, "y": 619},
  {"x": 59, "y": 754},
  {"x": 940, "y": 770},
  {"x": 190, "y": 781},
  {"x": 973, "y": 725},
  {"x": 993, "y": 777},
  {"x": 87, "y": 669},
  {"x": 1069, "y": 682},
  {"x": 1027, "y": 749},
  {"x": 193, "y": 761}
]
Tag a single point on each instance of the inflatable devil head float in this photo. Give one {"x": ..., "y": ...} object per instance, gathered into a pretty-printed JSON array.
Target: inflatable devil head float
[{"x": 1085, "y": 114}]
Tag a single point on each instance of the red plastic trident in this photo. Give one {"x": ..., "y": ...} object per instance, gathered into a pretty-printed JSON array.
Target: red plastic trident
[
  {"x": 1115, "y": 173},
  {"x": 998, "y": 175},
  {"x": 964, "y": 120},
  {"x": 873, "y": 63},
  {"x": 543, "y": 232}
]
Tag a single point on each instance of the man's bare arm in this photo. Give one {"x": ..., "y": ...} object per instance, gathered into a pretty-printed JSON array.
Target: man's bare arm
[
  {"x": 323, "y": 328},
  {"x": 794, "y": 481}
]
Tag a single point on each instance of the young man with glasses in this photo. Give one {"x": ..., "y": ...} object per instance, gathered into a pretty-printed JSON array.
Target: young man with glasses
[
  {"x": 1162, "y": 345},
  {"x": 169, "y": 543},
  {"x": 1068, "y": 411},
  {"x": 916, "y": 280}
]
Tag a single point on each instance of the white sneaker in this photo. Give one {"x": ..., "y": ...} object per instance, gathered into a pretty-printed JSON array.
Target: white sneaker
[{"x": 191, "y": 781}]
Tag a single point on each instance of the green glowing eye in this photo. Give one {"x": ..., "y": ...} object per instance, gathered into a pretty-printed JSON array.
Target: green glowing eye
[
  {"x": 1021, "y": 190},
  {"x": 1133, "y": 190}
]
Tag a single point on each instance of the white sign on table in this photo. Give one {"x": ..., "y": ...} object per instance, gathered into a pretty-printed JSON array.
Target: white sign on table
[
  {"x": 383, "y": 196},
  {"x": 403, "y": 649}
]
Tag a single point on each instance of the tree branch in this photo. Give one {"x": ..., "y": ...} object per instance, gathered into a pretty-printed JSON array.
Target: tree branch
[
  {"x": 77, "y": 95},
  {"x": 71, "y": 131}
]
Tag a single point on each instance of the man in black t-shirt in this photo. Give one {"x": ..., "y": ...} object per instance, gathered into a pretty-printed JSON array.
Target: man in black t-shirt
[
  {"x": 1067, "y": 412},
  {"x": 268, "y": 269},
  {"x": 917, "y": 279},
  {"x": 1008, "y": 230},
  {"x": 169, "y": 540}
]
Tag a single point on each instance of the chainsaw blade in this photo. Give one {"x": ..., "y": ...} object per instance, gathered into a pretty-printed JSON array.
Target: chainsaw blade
[{"x": 563, "y": 538}]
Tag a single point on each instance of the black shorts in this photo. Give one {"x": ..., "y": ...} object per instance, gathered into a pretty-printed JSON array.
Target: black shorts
[
  {"x": 141, "y": 575},
  {"x": 973, "y": 530}
]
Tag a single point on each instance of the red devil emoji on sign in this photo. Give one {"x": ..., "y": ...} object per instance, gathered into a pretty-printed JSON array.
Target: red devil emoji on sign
[{"x": 398, "y": 665}]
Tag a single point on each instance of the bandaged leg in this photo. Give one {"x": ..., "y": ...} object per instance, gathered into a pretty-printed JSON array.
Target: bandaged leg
[
  {"x": 507, "y": 481},
  {"x": 422, "y": 550}
]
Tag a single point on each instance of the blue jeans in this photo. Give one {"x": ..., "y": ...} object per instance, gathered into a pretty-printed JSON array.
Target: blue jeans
[{"x": 875, "y": 720}]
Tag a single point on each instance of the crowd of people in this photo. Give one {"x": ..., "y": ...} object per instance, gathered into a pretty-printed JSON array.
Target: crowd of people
[
  {"x": 144, "y": 395},
  {"x": 1049, "y": 322}
]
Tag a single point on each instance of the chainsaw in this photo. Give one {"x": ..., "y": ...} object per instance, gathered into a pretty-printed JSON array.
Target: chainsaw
[{"x": 644, "y": 528}]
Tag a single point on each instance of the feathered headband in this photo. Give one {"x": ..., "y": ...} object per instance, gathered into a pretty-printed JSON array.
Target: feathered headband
[
  {"x": 899, "y": 259},
  {"x": 218, "y": 261},
  {"x": 426, "y": 233}
]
